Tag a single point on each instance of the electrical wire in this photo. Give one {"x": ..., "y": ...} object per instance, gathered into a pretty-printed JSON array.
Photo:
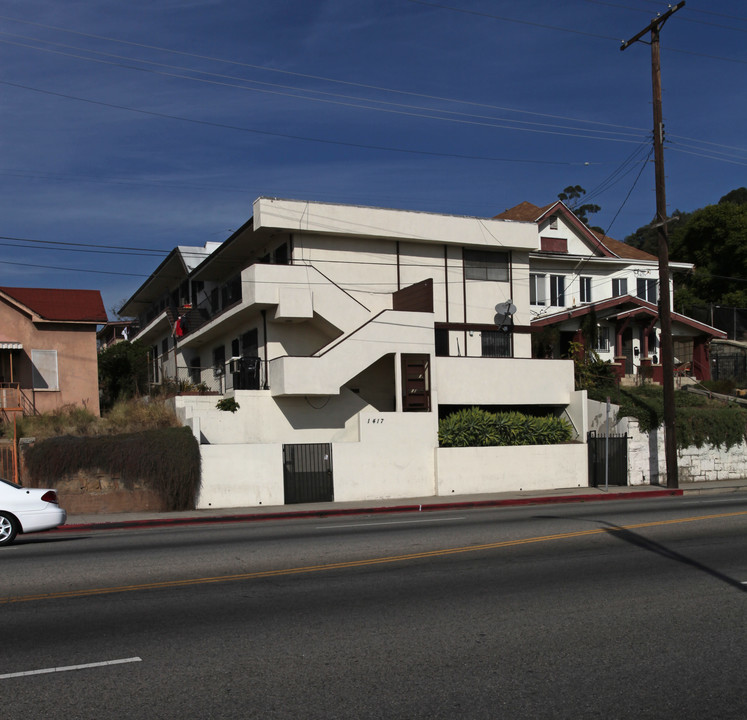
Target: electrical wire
[
  {"x": 295, "y": 88},
  {"x": 289, "y": 136}
]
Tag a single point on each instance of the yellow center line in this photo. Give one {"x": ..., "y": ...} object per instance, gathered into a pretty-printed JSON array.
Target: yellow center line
[{"x": 354, "y": 563}]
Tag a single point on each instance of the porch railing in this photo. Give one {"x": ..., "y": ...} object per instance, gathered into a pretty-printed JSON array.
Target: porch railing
[
  {"x": 10, "y": 396},
  {"x": 245, "y": 373}
]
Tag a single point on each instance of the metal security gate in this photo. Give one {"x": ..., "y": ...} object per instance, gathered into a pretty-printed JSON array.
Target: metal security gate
[
  {"x": 617, "y": 446},
  {"x": 307, "y": 473}
]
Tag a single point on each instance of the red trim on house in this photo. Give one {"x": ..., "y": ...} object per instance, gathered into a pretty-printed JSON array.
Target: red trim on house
[{"x": 643, "y": 307}]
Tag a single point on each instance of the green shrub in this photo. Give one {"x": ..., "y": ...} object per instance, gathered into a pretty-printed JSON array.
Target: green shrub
[
  {"x": 167, "y": 461},
  {"x": 698, "y": 419},
  {"x": 475, "y": 427},
  {"x": 715, "y": 426},
  {"x": 228, "y": 404}
]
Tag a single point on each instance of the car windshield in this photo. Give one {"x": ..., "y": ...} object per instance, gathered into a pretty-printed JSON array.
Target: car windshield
[{"x": 8, "y": 482}]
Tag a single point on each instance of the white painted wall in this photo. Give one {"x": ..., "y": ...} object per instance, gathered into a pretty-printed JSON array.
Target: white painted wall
[
  {"x": 503, "y": 381},
  {"x": 241, "y": 476},
  {"x": 264, "y": 419},
  {"x": 299, "y": 216},
  {"x": 507, "y": 469},
  {"x": 325, "y": 374},
  {"x": 395, "y": 458}
]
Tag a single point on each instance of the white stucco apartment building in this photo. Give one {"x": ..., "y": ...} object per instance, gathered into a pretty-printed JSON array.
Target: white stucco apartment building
[{"x": 343, "y": 333}]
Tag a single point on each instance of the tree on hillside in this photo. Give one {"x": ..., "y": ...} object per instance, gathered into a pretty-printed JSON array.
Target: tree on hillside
[
  {"x": 715, "y": 240},
  {"x": 572, "y": 197},
  {"x": 738, "y": 196},
  {"x": 646, "y": 238}
]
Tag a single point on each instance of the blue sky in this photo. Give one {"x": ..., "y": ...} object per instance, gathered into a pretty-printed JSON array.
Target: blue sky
[{"x": 146, "y": 124}]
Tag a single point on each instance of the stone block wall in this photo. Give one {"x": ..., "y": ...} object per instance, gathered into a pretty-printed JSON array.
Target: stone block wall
[
  {"x": 647, "y": 462},
  {"x": 98, "y": 492}
]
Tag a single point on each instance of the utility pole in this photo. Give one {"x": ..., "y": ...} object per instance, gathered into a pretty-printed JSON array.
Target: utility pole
[{"x": 665, "y": 317}]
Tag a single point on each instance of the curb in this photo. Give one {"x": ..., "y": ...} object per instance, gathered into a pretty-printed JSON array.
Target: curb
[{"x": 343, "y": 512}]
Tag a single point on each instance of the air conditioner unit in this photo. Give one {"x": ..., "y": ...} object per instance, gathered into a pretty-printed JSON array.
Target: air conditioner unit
[{"x": 234, "y": 365}]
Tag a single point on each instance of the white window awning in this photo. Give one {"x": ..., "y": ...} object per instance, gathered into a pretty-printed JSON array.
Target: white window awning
[{"x": 6, "y": 345}]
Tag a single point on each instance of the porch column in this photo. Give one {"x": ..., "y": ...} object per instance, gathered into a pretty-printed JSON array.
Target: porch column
[
  {"x": 619, "y": 357},
  {"x": 701, "y": 358}
]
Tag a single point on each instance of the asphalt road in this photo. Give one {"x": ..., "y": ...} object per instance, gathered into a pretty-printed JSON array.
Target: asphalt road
[{"x": 632, "y": 610}]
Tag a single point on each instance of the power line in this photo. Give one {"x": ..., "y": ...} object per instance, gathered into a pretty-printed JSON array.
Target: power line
[
  {"x": 684, "y": 19},
  {"x": 72, "y": 270},
  {"x": 514, "y": 20},
  {"x": 301, "y": 138},
  {"x": 307, "y": 90},
  {"x": 374, "y": 105},
  {"x": 564, "y": 29}
]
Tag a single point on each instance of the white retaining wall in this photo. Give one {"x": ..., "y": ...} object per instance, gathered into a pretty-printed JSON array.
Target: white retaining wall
[{"x": 508, "y": 469}]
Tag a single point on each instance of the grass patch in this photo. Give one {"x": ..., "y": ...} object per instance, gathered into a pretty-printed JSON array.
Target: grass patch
[{"x": 124, "y": 417}]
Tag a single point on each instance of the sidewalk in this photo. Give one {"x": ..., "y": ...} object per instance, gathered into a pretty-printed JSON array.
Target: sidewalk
[{"x": 399, "y": 505}]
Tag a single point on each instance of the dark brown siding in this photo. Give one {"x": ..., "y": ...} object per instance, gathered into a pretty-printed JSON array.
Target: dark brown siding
[{"x": 415, "y": 298}]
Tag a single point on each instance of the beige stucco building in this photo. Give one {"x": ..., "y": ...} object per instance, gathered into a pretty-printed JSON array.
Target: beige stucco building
[{"x": 48, "y": 348}]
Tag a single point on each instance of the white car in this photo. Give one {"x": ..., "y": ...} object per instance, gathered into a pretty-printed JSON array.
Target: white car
[{"x": 25, "y": 510}]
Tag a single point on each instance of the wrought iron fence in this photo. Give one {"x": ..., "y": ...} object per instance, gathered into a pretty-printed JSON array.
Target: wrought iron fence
[
  {"x": 238, "y": 374},
  {"x": 729, "y": 366},
  {"x": 732, "y": 320}
]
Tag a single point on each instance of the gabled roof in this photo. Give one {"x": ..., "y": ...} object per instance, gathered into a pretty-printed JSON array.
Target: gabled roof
[
  {"x": 623, "y": 250},
  {"x": 621, "y": 307},
  {"x": 527, "y": 212},
  {"x": 60, "y": 305},
  {"x": 524, "y": 212}
]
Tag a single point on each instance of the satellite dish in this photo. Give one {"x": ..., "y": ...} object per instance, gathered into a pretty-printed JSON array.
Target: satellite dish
[
  {"x": 505, "y": 308},
  {"x": 503, "y": 311}
]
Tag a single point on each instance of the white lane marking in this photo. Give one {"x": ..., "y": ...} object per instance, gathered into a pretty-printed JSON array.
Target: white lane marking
[
  {"x": 391, "y": 522},
  {"x": 70, "y": 667}
]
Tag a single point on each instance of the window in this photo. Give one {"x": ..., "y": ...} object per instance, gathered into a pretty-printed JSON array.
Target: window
[
  {"x": 619, "y": 286},
  {"x": 647, "y": 290},
  {"x": 603, "y": 339},
  {"x": 485, "y": 265},
  {"x": 496, "y": 343},
  {"x": 45, "y": 375},
  {"x": 557, "y": 290},
  {"x": 164, "y": 346},
  {"x": 537, "y": 293},
  {"x": 585, "y": 289},
  {"x": 554, "y": 222},
  {"x": 442, "y": 342}
]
